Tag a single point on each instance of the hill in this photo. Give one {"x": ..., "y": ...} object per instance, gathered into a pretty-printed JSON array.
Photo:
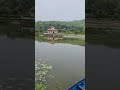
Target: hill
[{"x": 76, "y": 26}]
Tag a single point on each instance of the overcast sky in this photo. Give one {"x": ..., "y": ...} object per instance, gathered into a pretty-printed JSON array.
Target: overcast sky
[{"x": 60, "y": 10}]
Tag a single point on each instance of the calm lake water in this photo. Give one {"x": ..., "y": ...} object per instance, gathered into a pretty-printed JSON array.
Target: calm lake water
[
  {"x": 102, "y": 59},
  {"x": 16, "y": 63},
  {"x": 67, "y": 60}
]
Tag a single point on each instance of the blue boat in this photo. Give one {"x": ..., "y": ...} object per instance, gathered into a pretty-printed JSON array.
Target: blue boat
[{"x": 78, "y": 86}]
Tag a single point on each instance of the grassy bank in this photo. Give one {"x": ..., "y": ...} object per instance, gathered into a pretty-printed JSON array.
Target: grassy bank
[
  {"x": 103, "y": 24},
  {"x": 103, "y": 37},
  {"x": 74, "y": 41},
  {"x": 75, "y": 36}
]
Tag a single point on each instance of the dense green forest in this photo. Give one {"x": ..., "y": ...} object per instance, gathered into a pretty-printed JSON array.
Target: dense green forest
[
  {"x": 15, "y": 7},
  {"x": 103, "y": 8},
  {"x": 68, "y": 27}
]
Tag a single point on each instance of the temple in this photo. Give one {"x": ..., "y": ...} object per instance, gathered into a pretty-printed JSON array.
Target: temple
[{"x": 52, "y": 30}]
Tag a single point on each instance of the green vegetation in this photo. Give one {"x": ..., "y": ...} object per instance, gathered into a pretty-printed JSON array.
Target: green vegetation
[
  {"x": 15, "y": 7},
  {"x": 66, "y": 27},
  {"x": 103, "y": 8},
  {"x": 14, "y": 31},
  {"x": 74, "y": 41},
  {"x": 102, "y": 22},
  {"x": 42, "y": 75},
  {"x": 73, "y": 31},
  {"x": 103, "y": 37}
]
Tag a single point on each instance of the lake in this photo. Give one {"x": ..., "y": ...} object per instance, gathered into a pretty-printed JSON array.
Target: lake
[
  {"x": 17, "y": 49},
  {"x": 67, "y": 58},
  {"x": 16, "y": 63},
  {"x": 102, "y": 52}
]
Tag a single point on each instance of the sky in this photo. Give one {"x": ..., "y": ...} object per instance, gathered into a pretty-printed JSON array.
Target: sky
[{"x": 59, "y": 10}]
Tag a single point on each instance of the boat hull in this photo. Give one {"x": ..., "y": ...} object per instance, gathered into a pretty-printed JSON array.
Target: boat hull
[{"x": 78, "y": 86}]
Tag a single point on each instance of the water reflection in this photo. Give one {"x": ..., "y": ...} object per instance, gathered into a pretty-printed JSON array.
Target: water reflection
[
  {"x": 51, "y": 40},
  {"x": 109, "y": 38},
  {"x": 102, "y": 57},
  {"x": 14, "y": 31},
  {"x": 67, "y": 60},
  {"x": 16, "y": 58},
  {"x": 67, "y": 57}
]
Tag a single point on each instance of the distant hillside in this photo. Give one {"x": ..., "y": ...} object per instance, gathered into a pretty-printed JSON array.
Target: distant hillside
[
  {"x": 103, "y": 9},
  {"x": 76, "y": 26},
  {"x": 15, "y": 7}
]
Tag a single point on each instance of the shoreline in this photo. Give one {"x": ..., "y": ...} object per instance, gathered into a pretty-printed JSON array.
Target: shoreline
[
  {"x": 74, "y": 36},
  {"x": 103, "y": 23}
]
